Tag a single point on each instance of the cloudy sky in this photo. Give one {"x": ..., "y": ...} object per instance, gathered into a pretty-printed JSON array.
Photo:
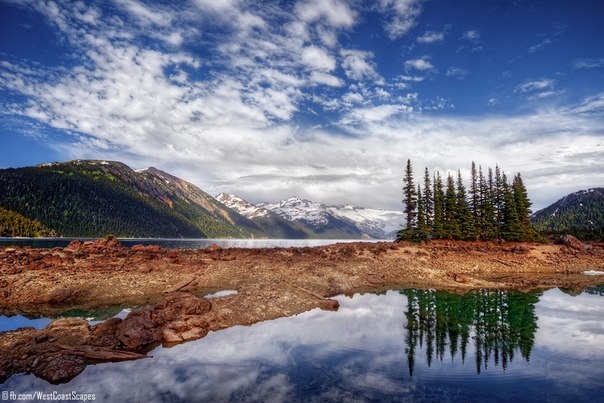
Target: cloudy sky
[{"x": 324, "y": 99}]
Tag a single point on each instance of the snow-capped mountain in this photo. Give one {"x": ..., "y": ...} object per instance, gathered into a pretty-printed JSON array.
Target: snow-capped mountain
[
  {"x": 383, "y": 224},
  {"x": 241, "y": 206},
  {"x": 345, "y": 221},
  {"x": 295, "y": 208}
]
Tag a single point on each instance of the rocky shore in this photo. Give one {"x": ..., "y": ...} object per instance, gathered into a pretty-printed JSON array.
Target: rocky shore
[{"x": 169, "y": 286}]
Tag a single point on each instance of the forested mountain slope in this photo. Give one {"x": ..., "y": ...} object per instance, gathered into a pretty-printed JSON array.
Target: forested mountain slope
[
  {"x": 580, "y": 214},
  {"x": 94, "y": 198}
]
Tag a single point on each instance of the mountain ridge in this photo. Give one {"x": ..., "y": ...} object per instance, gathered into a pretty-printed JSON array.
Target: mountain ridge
[
  {"x": 580, "y": 213},
  {"x": 97, "y": 197},
  {"x": 348, "y": 219}
]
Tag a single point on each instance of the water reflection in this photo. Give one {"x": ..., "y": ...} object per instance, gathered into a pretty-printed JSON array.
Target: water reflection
[
  {"x": 500, "y": 323},
  {"x": 553, "y": 345}
]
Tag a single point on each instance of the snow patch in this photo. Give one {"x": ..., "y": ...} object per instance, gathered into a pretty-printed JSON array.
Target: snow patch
[{"x": 593, "y": 273}]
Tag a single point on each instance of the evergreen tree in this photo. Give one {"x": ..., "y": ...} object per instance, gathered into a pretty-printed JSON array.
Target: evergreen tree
[
  {"x": 511, "y": 228},
  {"x": 422, "y": 232},
  {"x": 438, "y": 223},
  {"x": 487, "y": 218},
  {"x": 498, "y": 197},
  {"x": 475, "y": 196},
  {"x": 452, "y": 228},
  {"x": 410, "y": 203},
  {"x": 523, "y": 208},
  {"x": 428, "y": 199},
  {"x": 464, "y": 214}
]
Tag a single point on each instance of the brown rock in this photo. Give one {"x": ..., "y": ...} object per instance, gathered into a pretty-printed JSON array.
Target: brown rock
[
  {"x": 521, "y": 248},
  {"x": 59, "y": 296},
  {"x": 137, "y": 330},
  {"x": 61, "y": 368},
  {"x": 74, "y": 245},
  {"x": 213, "y": 248},
  {"x": 571, "y": 242}
]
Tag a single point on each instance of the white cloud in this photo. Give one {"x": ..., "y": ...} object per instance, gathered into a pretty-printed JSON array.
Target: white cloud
[
  {"x": 536, "y": 85},
  {"x": 358, "y": 66},
  {"x": 431, "y": 37},
  {"x": 471, "y": 35},
  {"x": 457, "y": 72},
  {"x": 319, "y": 77},
  {"x": 317, "y": 58},
  {"x": 226, "y": 122},
  {"x": 536, "y": 48},
  {"x": 422, "y": 64},
  {"x": 144, "y": 14},
  {"x": 336, "y": 13},
  {"x": 401, "y": 15},
  {"x": 588, "y": 64}
]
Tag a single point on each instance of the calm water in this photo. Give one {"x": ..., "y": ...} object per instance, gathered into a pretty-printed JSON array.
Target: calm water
[
  {"x": 486, "y": 346},
  {"x": 180, "y": 243}
]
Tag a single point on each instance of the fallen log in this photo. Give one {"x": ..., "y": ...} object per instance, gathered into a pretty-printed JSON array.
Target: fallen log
[
  {"x": 101, "y": 353},
  {"x": 180, "y": 285}
]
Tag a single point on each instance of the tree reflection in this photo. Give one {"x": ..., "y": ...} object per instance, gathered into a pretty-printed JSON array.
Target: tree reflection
[{"x": 501, "y": 324}]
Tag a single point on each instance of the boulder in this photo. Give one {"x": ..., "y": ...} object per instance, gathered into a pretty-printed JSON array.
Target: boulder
[
  {"x": 137, "y": 330},
  {"x": 571, "y": 242},
  {"x": 61, "y": 368}
]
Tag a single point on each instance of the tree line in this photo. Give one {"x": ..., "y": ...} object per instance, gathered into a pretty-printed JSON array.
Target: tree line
[{"x": 492, "y": 208}]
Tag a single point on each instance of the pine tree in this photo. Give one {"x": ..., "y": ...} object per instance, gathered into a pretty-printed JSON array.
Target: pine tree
[
  {"x": 487, "y": 217},
  {"x": 498, "y": 198},
  {"x": 523, "y": 208},
  {"x": 410, "y": 203},
  {"x": 511, "y": 228},
  {"x": 438, "y": 223},
  {"x": 475, "y": 196},
  {"x": 464, "y": 214},
  {"x": 428, "y": 199},
  {"x": 452, "y": 230},
  {"x": 423, "y": 229}
]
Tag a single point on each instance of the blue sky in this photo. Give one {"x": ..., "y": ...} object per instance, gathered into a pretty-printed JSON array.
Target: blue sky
[{"x": 324, "y": 99}]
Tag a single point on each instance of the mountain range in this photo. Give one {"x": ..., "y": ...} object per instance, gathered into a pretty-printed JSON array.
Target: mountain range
[
  {"x": 325, "y": 221},
  {"x": 92, "y": 198}
]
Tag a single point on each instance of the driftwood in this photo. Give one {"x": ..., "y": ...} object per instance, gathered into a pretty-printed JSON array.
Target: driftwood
[
  {"x": 314, "y": 294},
  {"x": 503, "y": 262},
  {"x": 180, "y": 285},
  {"x": 101, "y": 353}
]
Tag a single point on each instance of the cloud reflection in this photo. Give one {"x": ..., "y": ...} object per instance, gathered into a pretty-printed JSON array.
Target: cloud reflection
[{"x": 354, "y": 354}]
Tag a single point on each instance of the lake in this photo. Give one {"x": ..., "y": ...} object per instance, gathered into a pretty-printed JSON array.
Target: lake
[
  {"x": 181, "y": 243},
  {"x": 402, "y": 345}
]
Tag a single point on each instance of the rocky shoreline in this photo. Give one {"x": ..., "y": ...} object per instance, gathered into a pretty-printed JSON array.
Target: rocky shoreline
[{"x": 170, "y": 284}]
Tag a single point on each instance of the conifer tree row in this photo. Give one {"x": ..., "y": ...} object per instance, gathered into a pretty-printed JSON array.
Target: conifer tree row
[{"x": 492, "y": 208}]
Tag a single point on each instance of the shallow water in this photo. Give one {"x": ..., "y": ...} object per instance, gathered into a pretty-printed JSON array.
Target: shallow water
[{"x": 405, "y": 345}]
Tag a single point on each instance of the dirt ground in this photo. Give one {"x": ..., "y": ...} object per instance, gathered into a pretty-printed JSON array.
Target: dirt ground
[{"x": 270, "y": 283}]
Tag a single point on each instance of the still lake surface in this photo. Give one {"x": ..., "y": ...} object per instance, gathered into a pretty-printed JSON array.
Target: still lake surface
[
  {"x": 180, "y": 243},
  {"x": 404, "y": 345}
]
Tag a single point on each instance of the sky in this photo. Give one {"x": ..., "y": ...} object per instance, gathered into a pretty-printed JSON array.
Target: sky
[{"x": 323, "y": 99}]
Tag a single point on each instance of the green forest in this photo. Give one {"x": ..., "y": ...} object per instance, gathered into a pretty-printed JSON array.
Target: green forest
[
  {"x": 94, "y": 198},
  {"x": 13, "y": 224},
  {"x": 441, "y": 208}
]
